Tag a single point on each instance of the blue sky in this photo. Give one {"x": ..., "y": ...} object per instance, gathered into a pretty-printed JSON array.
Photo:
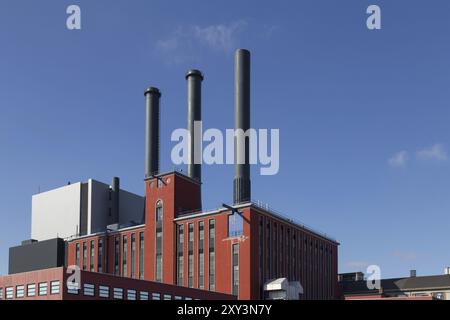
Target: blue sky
[{"x": 363, "y": 115}]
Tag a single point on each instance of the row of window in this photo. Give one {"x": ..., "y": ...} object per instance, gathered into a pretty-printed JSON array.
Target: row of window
[
  {"x": 120, "y": 261},
  {"x": 119, "y": 293},
  {"x": 287, "y": 252},
  {"x": 30, "y": 290},
  {"x": 200, "y": 255}
]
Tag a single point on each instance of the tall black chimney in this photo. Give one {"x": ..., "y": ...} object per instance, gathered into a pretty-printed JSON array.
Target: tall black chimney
[
  {"x": 242, "y": 185},
  {"x": 115, "y": 192},
  {"x": 194, "y": 81},
  {"x": 152, "y": 96}
]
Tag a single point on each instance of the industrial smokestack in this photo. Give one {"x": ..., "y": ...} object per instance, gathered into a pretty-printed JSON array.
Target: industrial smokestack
[
  {"x": 115, "y": 191},
  {"x": 152, "y": 96},
  {"x": 242, "y": 185},
  {"x": 194, "y": 82}
]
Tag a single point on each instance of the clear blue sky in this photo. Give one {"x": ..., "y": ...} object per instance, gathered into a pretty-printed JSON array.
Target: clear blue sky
[{"x": 363, "y": 115}]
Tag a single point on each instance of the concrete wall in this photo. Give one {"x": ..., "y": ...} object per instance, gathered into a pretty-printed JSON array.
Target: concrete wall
[
  {"x": 80, "y": 209},
  {"x": 56, "y": 213}
]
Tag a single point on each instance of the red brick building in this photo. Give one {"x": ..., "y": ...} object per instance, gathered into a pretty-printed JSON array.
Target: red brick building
[
  {"x": 50, "y": 284},
  {"x": 218, "y": 250}
]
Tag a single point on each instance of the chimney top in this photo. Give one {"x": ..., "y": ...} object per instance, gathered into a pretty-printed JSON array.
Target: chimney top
[
  {"x": 195, "y": 72},
  {"x": 152, "y": 90}
]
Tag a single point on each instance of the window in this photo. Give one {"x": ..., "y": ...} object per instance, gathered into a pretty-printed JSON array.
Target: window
[
  {"x": 235, "y": 271},
  {"x": 281, "y": 268},
  {"x": 188, "y": 298},
  {"x": 156, "y": 296},
  {"x": 72, "y": 288},
  {"x": 31, "y": 290},
  {"x": 1, "y": 293},
  {"x": 20, "y": 291},
  {"x": 141, "y": 255},
  {"x": 267, "y": 249},
  {"x": 201, "y": 256},
  {"x": 54, "y": 287},
  {"x": 84, "y": 256},
  {"x": 191, "y": 255},
  {"x": 288, "y": 253},
  {"x": 143, "y": 295},
  {"x": 178, "y": 298},
  {"x": 9, "y": 293},
  {"x": 159, "y": 211},
  {"x": 167, "y": 297},
  {"x": 103, "y": 292},
  {"x": 274, "y": 252},
  {"x": 91, "y": 262},
  {"x": 131, "y": 294},
  {"x": 77, "y": 255},
  {"x": 116, "y": 255},
  {"x": 133, "y": 255},
  {"x": 89, "y": 290},
  {"x": 180, "y": 253},
  {"x": 124, "y": 256},
  {"x": 212, "y": 260},
  {"x": 100, "y": 256},
  {"x": 261, "y": 250},
  {"x": 43, "y": 289},
  {"x": 118, "y": 293},
  {"x": 159, "y": 240},
  {"x": 235, "y": 225}
]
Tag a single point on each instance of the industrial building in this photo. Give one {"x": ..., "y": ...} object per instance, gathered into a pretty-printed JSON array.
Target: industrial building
[
  {"x": 435, "y": 287},
  {"x": 244, "y": 250}
]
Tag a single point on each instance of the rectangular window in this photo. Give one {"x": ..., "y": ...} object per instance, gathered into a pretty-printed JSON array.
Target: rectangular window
[
  {"x": 159, "y": 243},
  {"x": 118, "y": 293},
  {"x": 133, "y": 255},
  {"x": 191, "y": 255},
  {"x": 143, "y": 295},
  {"x": 178, "y": 298},
  {"x": 141, "y": 255},
  {"x": 89, "y": 290},
  {"x": 235, "y": 271},
  {"x": 212, "y": 260},
  {"x": 116, "y": 255},
  {"x": 131, "y": 294},
  {"x": 180, "y": 253},
  {"x": 201, "y": 255},
  {"x": 91, "y": 262},
  {"x": 267, "y": 249},
  {"x": 100, "y": 256},
  {"x": 261, "y": 251},
  {"x": 1, "y": 293},
  {"x": 288, "y": 254},
  {"x": 20, "y": 291},
  {"x": 77, "y": 255},
  {"x": 124, "y": 256},
  {"x": 54, "y": 287},
  {"x": 167, "y": 297},
  {"x": 43, "y": 288},
  {"x": 31, "y": 290},
  {"x": 281, "y": 268},
  {"x": 103, "y": 291},
  {"x": 156, "y": 296},
  {"x": 9, "y": 293},
  {"x": 274, "y": 251},
  {"x": 84, "y": 256},
  {"x": 235, "y": 225}
]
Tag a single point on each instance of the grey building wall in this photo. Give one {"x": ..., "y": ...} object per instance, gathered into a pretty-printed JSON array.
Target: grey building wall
[
  {"x": 37, "y": 256},
  {"x": 81, "y": 209}
]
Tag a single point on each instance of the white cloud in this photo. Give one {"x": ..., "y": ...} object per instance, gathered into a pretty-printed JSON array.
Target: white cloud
[
  {"x": 183, "y": 43},
  {"x": 436, "y": 152},
  {"x": 360, "y": 265},
  {"x": 405, "y": 256},
  {"x": 220, "y": 37},
  {"x": 399, "y": 159}
]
